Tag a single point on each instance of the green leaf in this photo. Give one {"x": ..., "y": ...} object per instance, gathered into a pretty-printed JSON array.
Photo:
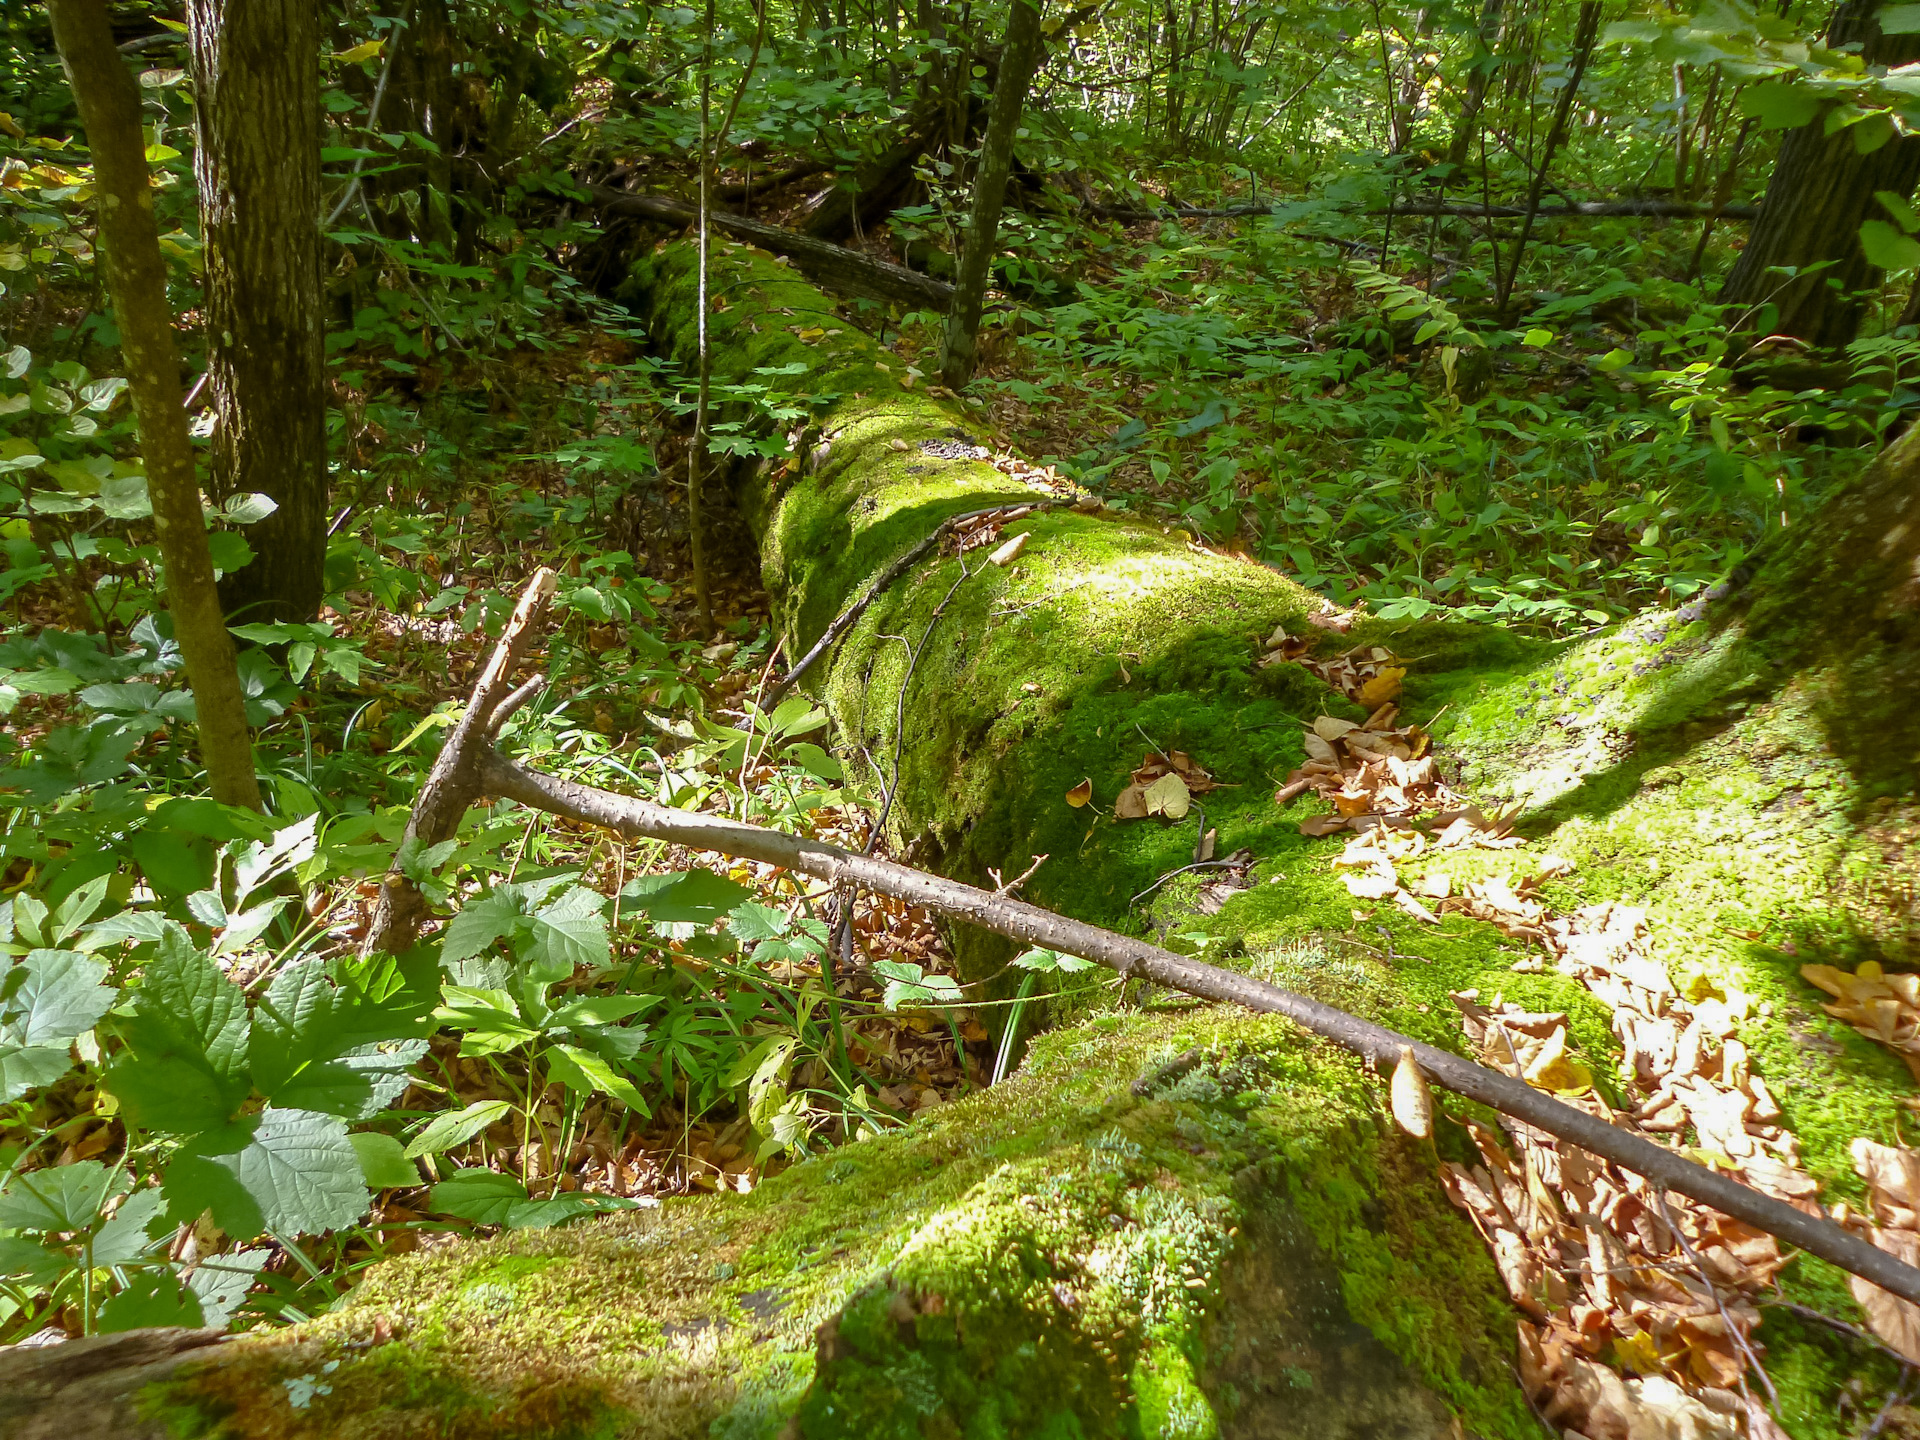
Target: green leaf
[
  {"x": 28, "y": 1067},
  {"x": 51, "y": 996},
  {"x": 221, "y": 1282},
  {"x": 125, "y": 1238},
  {"x": 753, "y": 921},
  {"x": 185, "y": 1069},
  {"x": 487, "y": 1197},
  {"x": 304, "y": 1028},
  {"x": 456, "y": 1127},
  {"x": 1043, "y": 962},
  {"x": 22, "y": 1260},
  {"x": 1898, "y": 207},
  {"x": 816, "y": 762},
  {"x": 1780, "y": 106},
  {"x": 1900, "y": 20},
  {"x": 600, "y": 1010},
  {"x": 302, "y": 1171},
  {"x": 908, "y": 985},
  {"x": 480, "y": 923},
  {"x": 152, "y": 1298},
  {"x": 695, "y": 897},
  {"x": 490, "y": 1018},
  {"x": 67, "y": 1197},
  {"x": 383, "y": 1162},
  {"x": 568, "y": 933},
  {"x": 590, "y": 1075},
  {"x": 1887, "y": 247}
]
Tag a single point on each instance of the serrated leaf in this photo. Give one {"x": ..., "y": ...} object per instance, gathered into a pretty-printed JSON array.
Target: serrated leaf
[
  {"x": 307, "y": 1026},
  {"x": 124, "y": 1238},
  {"x": 221, "y": 1282},
  {"x": 753, "y": 921},
  {"x": 456, "y": 1127},
  {"x": 489, "y": 1198},
  {"x": 480, "y": 923},
  {"x": 302, "y": 1171},
  {"x": 67, "y": 1197},
  {"x": 185, "y": 1069},
  {"x": 567, "y": 934},
  {"x": 695, "y": 897},
  {"x": 27, "y": 1067},
  {"x": 51, "y": 996}
]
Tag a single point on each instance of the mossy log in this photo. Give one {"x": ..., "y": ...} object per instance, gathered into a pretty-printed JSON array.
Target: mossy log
[{"x": 1175, "y": 1222}]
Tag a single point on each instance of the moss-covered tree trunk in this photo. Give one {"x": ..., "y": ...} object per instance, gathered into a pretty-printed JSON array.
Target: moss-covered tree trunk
[{"x": 1173, "y": 1222}]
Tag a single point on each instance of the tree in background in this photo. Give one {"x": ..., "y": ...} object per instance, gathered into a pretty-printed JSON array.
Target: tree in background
[
  {"x": 109, "y": 105},
  {"x": 1821, "y": 191},
  {"x": 1019, "y": 57},
  {"x": 257, "y": 103}
]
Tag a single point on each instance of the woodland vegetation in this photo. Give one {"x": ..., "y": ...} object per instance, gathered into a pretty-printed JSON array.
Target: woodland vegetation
[{"x": 1159, "y": 720}]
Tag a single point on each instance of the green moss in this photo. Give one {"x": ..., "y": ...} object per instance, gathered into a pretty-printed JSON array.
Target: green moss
[{"x": 1050, "y": 1257}]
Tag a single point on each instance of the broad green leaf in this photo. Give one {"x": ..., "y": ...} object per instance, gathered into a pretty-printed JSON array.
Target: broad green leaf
[
  {"x": 51, "y": 996},
  {"x": 302, "y": 1171},
  {"x": 457, "y": 1127},
  {"x": 23, "y": 1261},
  {"x": 568, "y": 933},
  {"x": 1780, "y": 106},
  {"x": 185, "y": 1069},
  {"x": 307, "y": 1025},
  {"x": 600, "y": 1010},
  {"x": 67, "y": 1197},
  {"x": 383, "y": 1163},
  {"x": 754, "y": 921},
  {"x": 153, "y": 1298},
  {"x": 1900, "y": 20},
  {"x": 480, "y": 923},
  {"x": 1887, "y": 247},
  {"x": 78, "y": 908},
  {"x": 24, "y": 1068},
  {"x": 695, "y": 897},
  {"x": 221, "y": 1282},
  {"x": 1047, "y": 961},
  {"x": 1896, "y": 206}
]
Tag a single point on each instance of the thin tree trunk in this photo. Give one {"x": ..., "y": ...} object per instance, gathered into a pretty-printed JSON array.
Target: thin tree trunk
[
  {"x": 1476, "y": 94},
  {"x": 1583, "y": 38},
  {"x": 1821, "y": 190},
  {"x": 109, "y": 105},
  {"x": 257, "y": 100},
  {"x": 1019, "y": 58}
]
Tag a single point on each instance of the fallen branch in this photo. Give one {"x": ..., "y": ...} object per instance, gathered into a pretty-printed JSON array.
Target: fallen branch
[
  {"x": 469, "y": 767},
  {"x": 1465, "y": 209},
  {"x": 833, "y": 266}
]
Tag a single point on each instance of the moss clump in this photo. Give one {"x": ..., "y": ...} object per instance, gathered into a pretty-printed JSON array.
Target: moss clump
[{"x": 1072, "y": 1253}]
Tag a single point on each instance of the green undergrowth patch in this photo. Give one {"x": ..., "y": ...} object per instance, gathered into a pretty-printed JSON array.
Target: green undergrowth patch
[{"x": 1051, "y": 1254}]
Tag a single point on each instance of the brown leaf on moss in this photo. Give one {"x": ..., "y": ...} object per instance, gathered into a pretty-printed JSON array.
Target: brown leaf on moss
[{"x": 1080, "y": 794}]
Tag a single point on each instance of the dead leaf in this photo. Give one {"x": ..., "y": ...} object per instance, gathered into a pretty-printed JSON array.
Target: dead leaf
[
  {"x": 1080, "y": 794},
  {"x": 1005, "y": 554},
  {"x": 1412, "y": 1100},
  {"x": 1132, "y": 804},
  {"x": 1168, "y": 796}
]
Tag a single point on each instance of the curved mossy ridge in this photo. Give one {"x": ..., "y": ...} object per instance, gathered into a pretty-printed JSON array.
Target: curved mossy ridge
[
  {"x": 1176, "y": 1225},
  {"x": 1106, "y": 631}
]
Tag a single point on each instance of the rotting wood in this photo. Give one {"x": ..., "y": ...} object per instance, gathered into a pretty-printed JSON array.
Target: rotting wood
[
  {"x": 827, "y": 264},
  {"x": 469, "y": 766}
]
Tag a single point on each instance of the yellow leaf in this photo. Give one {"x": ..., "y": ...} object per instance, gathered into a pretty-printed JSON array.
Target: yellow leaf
[
  {"x": 1381, "y": 688},
  {"x": 11, "y": 126},
  {"x": 1080, "y": 794},
  {"x": 365, "y": 50},
  {"x": 1639, "y": 1353},
  {"x": 1412, "y": 1101}
]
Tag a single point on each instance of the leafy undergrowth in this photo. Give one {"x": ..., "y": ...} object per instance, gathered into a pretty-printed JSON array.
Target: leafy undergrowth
[{"x": 214, "y": 1110}]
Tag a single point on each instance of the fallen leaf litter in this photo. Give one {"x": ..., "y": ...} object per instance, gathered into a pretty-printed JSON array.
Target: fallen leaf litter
[{"x": 1640, "y": 1305}]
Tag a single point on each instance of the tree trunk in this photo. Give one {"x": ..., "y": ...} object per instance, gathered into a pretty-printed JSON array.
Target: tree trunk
[
  {"x": 1468, "y": 126},
  {"x": 109, "y": 105},
  {"x": 257, "y": 101},
  {"x": 1019, "y": 57},
  {"x": 1820, "y": 192}
]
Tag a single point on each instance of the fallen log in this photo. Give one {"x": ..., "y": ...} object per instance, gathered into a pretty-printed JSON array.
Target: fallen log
[
  {"x": 1465, "y": 209},
  {"x": 469, "y": 766},
  {"x": 834, "y": 266}
]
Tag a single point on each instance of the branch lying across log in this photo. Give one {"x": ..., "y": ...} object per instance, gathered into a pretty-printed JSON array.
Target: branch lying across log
[
  {"x": 469, "y": 766},
  {"x": 1465, "y": 209},
  {"x": 830, "y": 265}
]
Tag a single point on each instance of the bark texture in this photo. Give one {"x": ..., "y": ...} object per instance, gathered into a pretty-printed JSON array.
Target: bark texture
[
  {"x": 109, "y": 105},
  {"x": 257, "y": 102},
  {"x": 1821, "y": 191}
]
